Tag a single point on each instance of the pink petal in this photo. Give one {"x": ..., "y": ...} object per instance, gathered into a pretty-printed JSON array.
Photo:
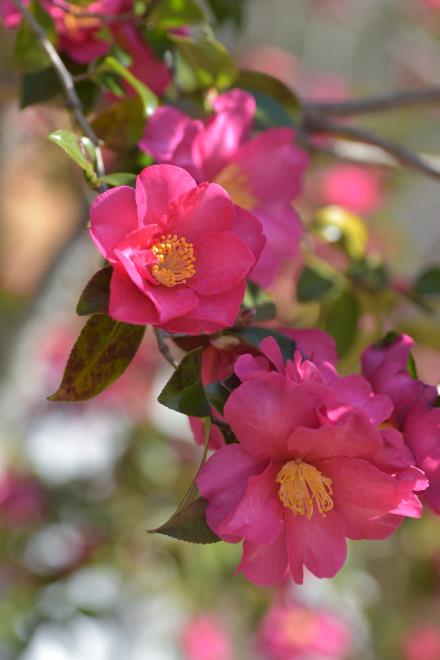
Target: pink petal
[
  {"x": 247, "y": 366},
  {"x": 216, "y": 439},
  {"x": 170, "y": 302},
  {"x": 163, "y": 132},
  {"x": 350, "y": 435},
  {"x": 395, "y": 454},
  {"x": 259, "y": 515},
  {"x": 213, "y": 313},
  {"x": 264, "y": 411},
  {"x": 363, "y": 494},
  {"x": 272, "y": 351},
  {"x": 222, "y": 263},
  {"x": 356, "y": 391},
  {"x": 264, "y": 564},
  {"x": 314, "y": 345},
  {"x": 112, "y": 215},
  {"x": 249, "y": 229},
  {"x": 318, "y": 543},
  {"x": 204, "y": 210},
  {"x": 127, "y": 303},
  {"x": 157, "y": 187},
  {"x": 225, "y": 131},
  {"x": 222, "y": 481}
]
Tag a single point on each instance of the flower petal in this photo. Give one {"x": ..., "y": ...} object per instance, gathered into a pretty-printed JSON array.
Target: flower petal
[
  {"x": 317, "y": 543},
  {"x": 264, "y": 564},
  {"x": 264, "y": 411},
  {"x": 222, "y": 262},
  {"x": 157, "y": 187},
  {"x": 222, "y": 481},
  {"x": 163, "y": 132},
  {"x": 112, "y": 215},
  {"x": 249, "y": 229},
  {"x": 127, "y": 303},
  {"x": 259, "y": 514}
]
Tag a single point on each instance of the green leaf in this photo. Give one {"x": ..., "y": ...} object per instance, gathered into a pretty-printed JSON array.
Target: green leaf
[
  {"x": 28, "y": 52},
  {"x": 102, "y": 352},
  {"x": 95, "y": 297},
  {"x": 341, "y": 320},
  {"x": 38, "y": 86},
  {"x": 121, "y": 125},
  {"x": 428, "y": 283},
  {"x": 253, "y": 336},
  {"x": 411, "y": 366},
  {"x": 118, "y": 179},
  {"x": 168, "y": 14},
  {"x": 258, "y": 300},
  {"x": 202, "y": 63},
  {"x": 336, "y": 225},
  {"x": 315, "y": 282},
  {"x": 277, "y": 105},
  {"x": 189, "y": 524},
  {"x": 370, "y": 273},
  {"x": 78, "y": 148},
  {"x": 184, "y": 391},
  {"x": 147, "y": 97}
]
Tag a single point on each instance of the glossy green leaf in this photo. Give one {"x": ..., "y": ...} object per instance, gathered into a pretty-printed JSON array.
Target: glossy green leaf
[
  {"x": 38, "y": 87},
  {"x": 95, "y": 297},
  {"x": 102, "y": 352},
  {"x": 168, "y": 14},
  {"x": 260, "y": 302},
  {"x": 184, "y": 391},
  {"x": 253, "y": 336},
  {"x": 79, "y": 149},
  {"x": 118, "y": 179},
  {"x": 336, "y": 225},
  {"x": 428, "y": 283},
  {"x": 121, "y": 124},
  {"x": 28, "y": 53},
  {"x": 202, "y": 63},
  {"x": 341, "y": 320},
  {"x": 189, "y": 524},
  {"x": 147, "y": 97},
  {"x": 277, "y": 105},
  {"x": 315, "y": 282}
]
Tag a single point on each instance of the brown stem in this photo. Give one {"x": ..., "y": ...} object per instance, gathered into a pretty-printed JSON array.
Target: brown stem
[
  {"x": 67, "y": 83},
  {"x": 375, "y": 103}
]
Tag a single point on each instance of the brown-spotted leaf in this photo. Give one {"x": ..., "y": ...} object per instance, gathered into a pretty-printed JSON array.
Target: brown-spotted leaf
[
  {"x": 96, "y": 294},
  {"x": 102, "y": 352}
]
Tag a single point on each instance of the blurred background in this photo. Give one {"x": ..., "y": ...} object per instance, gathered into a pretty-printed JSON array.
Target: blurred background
[{"x": 80, "y": 484}]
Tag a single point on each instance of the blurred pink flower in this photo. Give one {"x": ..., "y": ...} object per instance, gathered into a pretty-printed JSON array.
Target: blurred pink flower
[
  {"x": 262, "y": 174},
  {"x": 355, "y": 188},
  {"x": 204, "y": 638},
  {"x": 171, "y": 268},
  {"x": 415, "y": 406},
  {"x": 422, "y": 642},
  {"x": 22, "y": 499},
  {"x": 304, "y": 477},
  {"x": 295, "y": 631}
]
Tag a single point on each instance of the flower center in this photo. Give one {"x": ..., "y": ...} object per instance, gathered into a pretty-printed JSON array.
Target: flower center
[
  {"x": 236, "y": 183},
  {"x": 75, "y": 19},
  {"x": 175, "y": 260},
  {"x": 302, "y": 486}
]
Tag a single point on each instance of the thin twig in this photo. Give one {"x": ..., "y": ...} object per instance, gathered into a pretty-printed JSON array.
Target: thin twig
[
  {"x": 67, "y": 84},
  {"x": 317, "y": 123},
  {"x": 375, "y": 103},
  {"x": 164, "y": 349}
]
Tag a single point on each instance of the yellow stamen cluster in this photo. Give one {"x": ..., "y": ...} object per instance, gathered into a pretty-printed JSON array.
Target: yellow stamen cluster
[
  {"x": 302, "y": 487},
  {"x": 175, "y": 260},
  {"x": 74, "y": 22}
]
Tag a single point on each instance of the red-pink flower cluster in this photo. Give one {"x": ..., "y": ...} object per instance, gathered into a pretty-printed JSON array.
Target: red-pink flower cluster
[
  {"x": 180, "y": 252},
  {"x": 313, "y": 466},
  {"x": 262, "y": 174}
]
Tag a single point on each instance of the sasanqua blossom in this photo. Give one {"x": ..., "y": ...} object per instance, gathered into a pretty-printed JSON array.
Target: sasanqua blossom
[
  {"x": 180, "y": 252},
  {"x": 312, "y": 468},
  {"x": 263, "y": 173}
]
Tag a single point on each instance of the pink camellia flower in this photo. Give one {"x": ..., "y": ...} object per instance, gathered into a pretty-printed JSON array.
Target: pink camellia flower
[
  {"x": 422, "y": 643},
  {"x": 262, "y": 174},
  {"x": 355, "y": 188},
  {"x": 295, "y": 631},
  {"x": 204, "y": 638},
  {"x": 22, "y": 499},
  {"x": 415, "y": 406},
  {"x": 9, "y": 13},
  {"x": 180, "y": 252},
  {"x": 312, "y": 467}
]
